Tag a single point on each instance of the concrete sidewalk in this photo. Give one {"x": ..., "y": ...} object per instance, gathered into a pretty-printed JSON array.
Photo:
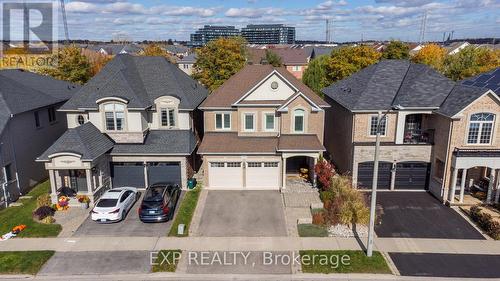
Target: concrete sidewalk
[{"x": 249, "y": 244}]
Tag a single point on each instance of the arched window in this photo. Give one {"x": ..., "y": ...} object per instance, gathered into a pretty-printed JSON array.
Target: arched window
[
  {"x": 298, "y": 120},
  {"x": 480, "y": 128},
  {"x": 115, "y": 116},
  {"x": 80, "y": 119}
]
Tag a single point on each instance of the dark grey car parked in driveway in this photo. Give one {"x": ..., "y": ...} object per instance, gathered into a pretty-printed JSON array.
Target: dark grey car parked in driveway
[{"x": 158, "y": 204}]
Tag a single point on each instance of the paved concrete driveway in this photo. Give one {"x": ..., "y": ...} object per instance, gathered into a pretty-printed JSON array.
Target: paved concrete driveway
[
  {"x": 243, "y": 213},
  {"x": 131, "y": 226},
  {"x": 420, "y": 215},
  {"x": 447, "y": 265},
  {"x": 86, "y": 263}
]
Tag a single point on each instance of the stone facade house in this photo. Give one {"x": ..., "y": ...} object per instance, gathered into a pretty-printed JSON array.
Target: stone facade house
[
  {"x": 29, "y": 124},
  {"x": 134, "y": 124},
  {"x": 261, "y": 126},
  {"x": 437, "y": 135}
]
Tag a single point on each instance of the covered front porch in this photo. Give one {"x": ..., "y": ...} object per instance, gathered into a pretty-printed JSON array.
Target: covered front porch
[
  {"x": 475, "y": 177},
  {"x": 299, "y": 167}
]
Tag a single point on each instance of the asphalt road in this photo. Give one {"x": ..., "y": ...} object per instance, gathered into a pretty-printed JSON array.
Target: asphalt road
[
  {"x": 447, "y": 265},
  {"x": 131, "y": 226},
  {"x": 419, "y": 215},
  {"x": 243, "y": 213}
]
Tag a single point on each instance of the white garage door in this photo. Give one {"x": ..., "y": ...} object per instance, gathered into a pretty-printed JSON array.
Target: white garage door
[
  {"x": 225, "y": 175},
  {"x": 263, "y": 175}
]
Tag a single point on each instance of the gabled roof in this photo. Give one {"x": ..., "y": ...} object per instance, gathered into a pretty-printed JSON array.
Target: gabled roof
[
  {"x": 160, "y": 142},
  {"x": 139, "y": 80},
  {"x": 389, "y": 82},
  {"x": 191, "y": 58},
  {"x": 22, "y": 91},
  {"x": 246, "y": 79},
  {"x": 85, "y": 140},
  {"x": 459, "y": 98}
]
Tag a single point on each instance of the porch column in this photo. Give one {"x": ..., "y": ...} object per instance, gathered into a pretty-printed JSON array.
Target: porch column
[
  {"x": 393, "y": 176},
  {"x": 462, "y": 185},
  {"x": 453, "y": 185},
  {"x": 490, "y": 186},
  {"x": 283, "y": 184},
  {"x": 53, "y": 186},
  {"x": 146, "y": 181},
  {"x": 88, "y": 173},
  {"x": 315, "y": 178},
  {"x": 497, "y": 194}
]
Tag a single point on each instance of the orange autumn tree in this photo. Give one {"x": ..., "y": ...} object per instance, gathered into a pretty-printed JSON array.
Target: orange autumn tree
[{"x": 431, "y": 55}]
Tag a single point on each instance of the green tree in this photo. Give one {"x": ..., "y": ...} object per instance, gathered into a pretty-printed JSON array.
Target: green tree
[
  {"x": 273, "y": 59},
  {"x": 315, "y": 74},
  {"x": 432, "y": 55},
  {"x": 470, "y": 61},
  {"x": 72, "y": 66},
  {"x": 219, "y": 60},
  {"x": 348, "y": 60},
  {"x": 396, "y": 50}
]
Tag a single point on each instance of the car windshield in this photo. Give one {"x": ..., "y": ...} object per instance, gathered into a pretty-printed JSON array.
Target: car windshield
[
  {"x": 104, "y": 203},
  {"x": 154, "y": 193}
]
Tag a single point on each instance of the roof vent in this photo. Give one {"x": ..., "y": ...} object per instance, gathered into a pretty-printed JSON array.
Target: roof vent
[{"x": 346, "y": 89}]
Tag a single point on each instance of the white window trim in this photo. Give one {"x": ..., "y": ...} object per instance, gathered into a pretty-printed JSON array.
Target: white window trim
[
  {"x": 223, "y": 119},
  {"x": 169, "y": 126},
  {"x": 370, "y": 126},
  {"x": 492, "y": 137},
  {"x": 245, "y": 114},
  {"x": 304, "y": 121},
  {"x": 125, "y": 117},
  {"x": 264, "y": 116}
]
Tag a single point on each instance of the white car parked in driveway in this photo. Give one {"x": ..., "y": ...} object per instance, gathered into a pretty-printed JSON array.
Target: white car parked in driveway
[{"x": 114, "y": 204}]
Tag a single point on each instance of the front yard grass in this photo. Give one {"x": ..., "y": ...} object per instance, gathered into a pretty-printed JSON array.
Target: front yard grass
[
  {"x": 312, "y": 230},
  {"x": 166, "y": 261},
  {"x": 13, "y": 216},
  {"x": 185, "y": 212},
  {"x": 28, "y": 262},
  {"x": 330, "y": 262}
]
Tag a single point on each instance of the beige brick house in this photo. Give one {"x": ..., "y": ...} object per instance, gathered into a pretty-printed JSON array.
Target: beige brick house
[
  {"x": 443, "y": 138},
  {"x": 261, "y": 126}
]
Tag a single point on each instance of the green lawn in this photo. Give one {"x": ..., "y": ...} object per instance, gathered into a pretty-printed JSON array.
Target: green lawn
[
  {"x": 166, "y": 261},
  {"x": 186, "y": 211},
  {"x": 28, "y": 262},
  {"x": 13, "y": 216},
  {"x": 358, "y": 262},
  {"x": 312, "y": 230}
]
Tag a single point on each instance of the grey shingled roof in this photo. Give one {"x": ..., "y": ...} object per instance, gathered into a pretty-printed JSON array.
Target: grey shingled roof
[
  {"x": 460, "y": 97},
  {"x": 160, "y": 142},
  {"x": 22, "y": 91},
  {"x": 390, "y": 82},
  {"x": 140, "y": 80},
  {"x": 85, "y": 140}
]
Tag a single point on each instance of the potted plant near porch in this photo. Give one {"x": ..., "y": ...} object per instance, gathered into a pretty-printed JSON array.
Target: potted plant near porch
[{"x": 84, "y": 201}]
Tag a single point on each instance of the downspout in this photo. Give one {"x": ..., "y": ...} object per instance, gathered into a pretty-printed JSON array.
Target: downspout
[{"x": 448, "y": 147}]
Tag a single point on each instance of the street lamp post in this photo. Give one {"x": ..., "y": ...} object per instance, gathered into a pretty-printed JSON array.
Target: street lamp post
[{"x": 373, "y": 204}]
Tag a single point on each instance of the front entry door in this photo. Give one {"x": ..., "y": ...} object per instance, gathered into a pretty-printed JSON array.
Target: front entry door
[{"x": 78, "y": 180}]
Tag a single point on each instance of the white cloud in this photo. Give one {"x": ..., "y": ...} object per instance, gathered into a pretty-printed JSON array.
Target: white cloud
[{"x": 254, "y": 12}]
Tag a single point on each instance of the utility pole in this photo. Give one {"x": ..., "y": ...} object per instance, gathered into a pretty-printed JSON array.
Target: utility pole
[
  {"x": 423, "y": 27},
  {"x": 65, "y": 21}
]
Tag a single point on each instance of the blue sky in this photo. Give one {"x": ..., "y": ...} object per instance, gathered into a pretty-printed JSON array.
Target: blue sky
[{"x": 372, "y": 19}]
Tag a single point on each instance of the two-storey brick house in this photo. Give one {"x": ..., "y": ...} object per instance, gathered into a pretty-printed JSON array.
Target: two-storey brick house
[
  {"x": 260, "y": 126},
  {"x": 135, "y": 123},
  {"x": 435, "y": 132}
]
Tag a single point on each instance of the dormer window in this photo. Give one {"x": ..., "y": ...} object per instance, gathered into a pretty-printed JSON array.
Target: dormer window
[
  {"x": 115, "y": 116},
  {"x": 167, "y": 117}
]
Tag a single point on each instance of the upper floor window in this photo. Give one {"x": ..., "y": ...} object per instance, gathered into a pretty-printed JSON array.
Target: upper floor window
[
  {"x": 37, "y": 119},
  {"x": 480, "y": 128},
  {"x": 249, "y": 122},
  {"x": 269, "y": 121},
  {"x": 374, "y": 125},
  {"x": 167, "y": 117},
  {"x": 52, "y": 114},
  {"x": 296, "y": 68},
  {"x": 80, "y": 119},
  {"x": 298, "y": 120},
  {"x": 223, "y": 121},
  {"x": 115, "y": 116}
]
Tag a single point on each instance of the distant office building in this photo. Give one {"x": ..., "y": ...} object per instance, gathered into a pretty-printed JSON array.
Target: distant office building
[
  {"x": 210, "y": 32},
  {"x": 269, "y": 34}
]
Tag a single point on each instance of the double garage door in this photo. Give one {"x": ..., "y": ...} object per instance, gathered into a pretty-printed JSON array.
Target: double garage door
[
  {"x": 409, "y": 175},
  {"x": 249, "y": 175},
  {"x": 132, "y": 174}
]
